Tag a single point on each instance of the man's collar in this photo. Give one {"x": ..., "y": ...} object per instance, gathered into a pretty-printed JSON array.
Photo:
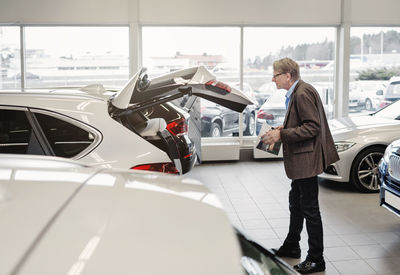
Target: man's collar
[{"x": 291, "y": 89}]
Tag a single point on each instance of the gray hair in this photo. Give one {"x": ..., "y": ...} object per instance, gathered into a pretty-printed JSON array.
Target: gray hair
[{"x": 287, "y": 65}]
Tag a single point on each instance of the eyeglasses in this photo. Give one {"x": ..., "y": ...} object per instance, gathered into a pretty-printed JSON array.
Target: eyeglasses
[{"x": 276, "y": 75}]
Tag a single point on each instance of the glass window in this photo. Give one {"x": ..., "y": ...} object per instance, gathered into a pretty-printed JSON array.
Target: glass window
[
  {"x": 374, "y": 61},
  {"x": 66, "y": 139},
  {"x": 10, "y": 58},
  {"x": 70, "y": 56},
  {"x": 216, "y": 48},
  {"x": 312, "y": 47},
  {"x": 16, "y": 134}
]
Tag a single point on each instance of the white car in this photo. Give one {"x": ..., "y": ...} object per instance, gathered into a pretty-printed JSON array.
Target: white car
[
  {"x": 60, "y": 217},
  {"x": 124, "y": 129},
  {"x": 366, "y": 94},
  {"x": 361, "y": 142}
]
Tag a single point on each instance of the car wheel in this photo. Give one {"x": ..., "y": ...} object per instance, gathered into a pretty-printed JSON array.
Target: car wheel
[
  {"x": 364, "y": 171},
  {"x": 215, "y": 130},
  {"x": 251, "y": 126},
  {"x": 368, "y": 104}
]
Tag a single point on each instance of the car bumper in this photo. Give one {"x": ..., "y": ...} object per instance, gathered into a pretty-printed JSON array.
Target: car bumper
[
  {"x": 340, "y": 170},
  {"x": 389, "y": 194}
]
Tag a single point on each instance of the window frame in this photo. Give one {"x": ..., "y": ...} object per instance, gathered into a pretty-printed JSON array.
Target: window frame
[
  {"x": 98, "y": 137},
  {"x": 41, "y": 137}
]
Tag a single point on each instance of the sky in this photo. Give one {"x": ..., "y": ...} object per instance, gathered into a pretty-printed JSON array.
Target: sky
[{"x": 226, "y": 40}]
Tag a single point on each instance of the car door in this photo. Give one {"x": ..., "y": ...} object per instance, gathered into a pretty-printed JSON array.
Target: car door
[{"x": 17, "y": 136}]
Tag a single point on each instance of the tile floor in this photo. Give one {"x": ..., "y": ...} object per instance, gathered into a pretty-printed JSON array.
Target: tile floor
[{"x": 360, "y": 237}]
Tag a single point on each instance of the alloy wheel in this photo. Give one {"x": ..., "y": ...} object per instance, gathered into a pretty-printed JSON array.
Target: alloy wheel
[{"x": 367, "y": 171}]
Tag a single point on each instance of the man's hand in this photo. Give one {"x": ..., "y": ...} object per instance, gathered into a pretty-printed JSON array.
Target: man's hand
[{"x": 271, "y": 136}]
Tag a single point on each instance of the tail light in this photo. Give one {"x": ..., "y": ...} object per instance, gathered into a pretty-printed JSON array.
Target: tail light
[
  {"x": 384, "y": 103},
  {"x": 178, "y": 127},
  {"x": 218, "y": 87},
  {"x": 166, "y": 167},
  {"x": 263, "y": 115}
]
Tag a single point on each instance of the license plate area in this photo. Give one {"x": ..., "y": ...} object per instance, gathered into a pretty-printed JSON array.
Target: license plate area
[{"x": 392, "y": 200}]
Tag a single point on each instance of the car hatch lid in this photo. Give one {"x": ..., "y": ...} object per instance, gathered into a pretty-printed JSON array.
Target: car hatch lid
[{"x": 198, "y": 81}]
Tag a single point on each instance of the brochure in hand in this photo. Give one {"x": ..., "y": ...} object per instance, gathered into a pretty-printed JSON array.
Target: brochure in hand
[{"x": 270, "y": 148}]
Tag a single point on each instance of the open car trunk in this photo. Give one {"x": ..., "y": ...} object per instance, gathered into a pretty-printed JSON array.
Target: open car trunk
[{"x": 130, "y": 104}]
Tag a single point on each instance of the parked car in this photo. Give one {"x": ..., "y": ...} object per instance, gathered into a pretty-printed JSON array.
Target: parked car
[
  {"x": 85, "y": 220},
  {"x": 361, "y": 142},
  {"x": 28, "y": 75},
  {"x": 134, "y": 128},
  {"x": 217, "y": 120},
  {"x": 366, "y": 94},
  {"x": 265, "y": 91},
  {"x": 389, "y": 174},
  {"x": 273, "y": 111},
  {"x": 392, "y": 93}
]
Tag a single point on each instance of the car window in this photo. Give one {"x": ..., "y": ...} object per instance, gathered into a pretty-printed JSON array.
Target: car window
[
  {"x": 16, "y": 134},
  {"x": 393, "y": 89},
  {"x": 66, "y": 140}
]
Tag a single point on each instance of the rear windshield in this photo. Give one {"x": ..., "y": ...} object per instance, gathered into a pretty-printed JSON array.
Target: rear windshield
[{"x": 393, "y": 90}]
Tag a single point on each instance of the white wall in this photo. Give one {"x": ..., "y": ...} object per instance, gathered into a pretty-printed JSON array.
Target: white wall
[
  {"x": 68, "y": 11},
  {"x": 240, "y": 12},
  {"x": 198, "y": 12},
  {"x": 375, "y": 12}
]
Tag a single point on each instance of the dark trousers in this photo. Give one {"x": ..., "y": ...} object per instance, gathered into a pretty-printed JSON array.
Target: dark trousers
[{"x": 303, "y": 204}]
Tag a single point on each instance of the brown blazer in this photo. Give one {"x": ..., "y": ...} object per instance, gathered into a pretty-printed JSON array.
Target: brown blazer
[{"x": 308, "y": 146}]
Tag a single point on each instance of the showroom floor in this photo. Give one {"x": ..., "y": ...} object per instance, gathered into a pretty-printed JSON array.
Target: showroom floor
[{"x": 360, "y": 237}]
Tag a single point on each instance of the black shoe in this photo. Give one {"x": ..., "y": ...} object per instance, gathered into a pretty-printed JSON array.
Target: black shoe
[
  {"x": 289, "y": 252},
  {"x": 310, "y": 266}
]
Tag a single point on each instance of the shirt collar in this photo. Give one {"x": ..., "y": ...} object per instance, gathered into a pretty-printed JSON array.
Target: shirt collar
[{"x": 291, "y": 89}]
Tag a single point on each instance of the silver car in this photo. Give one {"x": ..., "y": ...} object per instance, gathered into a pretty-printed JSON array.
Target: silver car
[{"x": 361, "y": 142}]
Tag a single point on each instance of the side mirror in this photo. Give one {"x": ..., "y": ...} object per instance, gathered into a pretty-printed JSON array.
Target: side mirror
[
  {"x": 154, "y": 126},
  {"x": 379, "y": 92}
]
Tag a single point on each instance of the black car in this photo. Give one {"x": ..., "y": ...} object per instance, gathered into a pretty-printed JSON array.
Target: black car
[
  {"x": 217, "y": 121},
  {"x": 389, "y": 174}
]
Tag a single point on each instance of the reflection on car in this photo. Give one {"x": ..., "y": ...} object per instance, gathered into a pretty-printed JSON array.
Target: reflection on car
[
  {"x": 389, "y": 174},
  {"x": 135, "y": 127},
  {"x": 90, "y": 220},
  {"x": 361, "y": 142},
  {"x": 217, "y": 121}
]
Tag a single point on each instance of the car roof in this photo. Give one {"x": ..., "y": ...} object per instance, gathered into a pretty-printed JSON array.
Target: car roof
[{"x": 96, "y": 91}]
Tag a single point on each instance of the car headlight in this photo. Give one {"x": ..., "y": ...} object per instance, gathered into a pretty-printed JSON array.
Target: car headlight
[
  {"x": 387, "y": 153},
  {"x": 343, "y": 146}
]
